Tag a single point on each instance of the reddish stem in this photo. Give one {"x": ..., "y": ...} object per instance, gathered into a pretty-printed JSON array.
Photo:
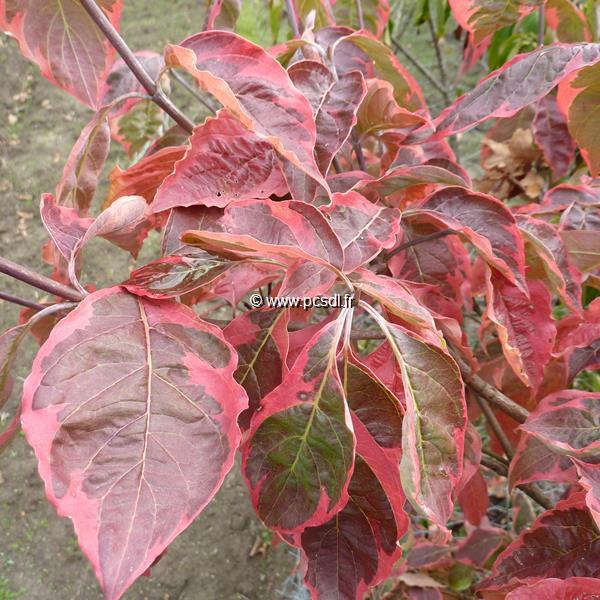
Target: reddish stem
[
  {"x": 156, "y": 94},
  {"x": 20, "y": 301},
  {"x": 26, "y": 275}
]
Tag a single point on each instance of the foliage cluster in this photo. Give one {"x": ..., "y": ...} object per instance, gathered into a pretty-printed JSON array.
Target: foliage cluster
[{"x": 374, "y": 437}]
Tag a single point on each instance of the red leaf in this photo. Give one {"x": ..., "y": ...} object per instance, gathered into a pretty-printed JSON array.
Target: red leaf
[
  {"x": 568, "y": 422},
  {"x": 260, "y": 338},
  {"x": 183, "y": 219},
  {"x": 473, "y": 499},
  {"x": 521, "y": 81},
  {"x": 407, "y": 91},
  {"x": 334, "y": 104},
  {"x": 135, "y": 436},
  {"x": 552, "y": 136},
  {"x": 563, "y": 542},
  {"x": 390, "y": 187},
  {"x": 568, "y": 21},
  {"x": 379, "y": 112},
  {"x": 484, "y": 17},
  {"x": 483, "y": 221},
  {"x": 533, "y": 461},
  {"x": 434, "y": 425},
  {"x": 357, "y": 548},
  {"x": 443, "y": 263},
  {"x": 84, "y": 165},
  {"x": 273, "y": 230},
  {"x": 336, "y": 116},
  {"x": 145, "y": 176},
  {"x": 394, "y": 297},
  {"x": 299, "y": 454},
  {"x": 255, "y": 89},
  {"x": 572, "y": 588},
  {"x": 589, "y": 479},
  {"x": 524, "y": 325},
  {"x": 479, "y": 545},
  {"x": 363, "y": 228},
  {"x": 64, "y": 42},
  {"x": 173, "y": 276},
  {"x": 9, "y": 344},
  {"x": 545, "y": 244},
  {"x": 223, "y": 162}
]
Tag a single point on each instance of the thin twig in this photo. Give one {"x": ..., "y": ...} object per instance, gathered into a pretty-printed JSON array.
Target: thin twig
[
  {"x": 21, "y": 301},
  {"x": 421, "y": 240},
  {"x": 422, "y": 69},
  {"x": 495, "y": 456},
  {"x": 495, "y": 426},
  {"x": 359, "y": 13},
  {"x": 494, "y": 465},
  {"x": 26, "y": 275},
  {"x": 530, "y": 489},
  {"x": 291, "y": 14},
  {"x": 360, "y": 157},
  {"x": 541, "y": 25},
  {"x": 491, "y": 394},
  {"x": 156, "y": 94},
  {"x": 440, "y": 59},
  {"x": 186, "y": 86}
]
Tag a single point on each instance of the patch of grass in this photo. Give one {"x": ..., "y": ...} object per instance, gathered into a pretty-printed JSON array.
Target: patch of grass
[{"x": 7, "y": 593}]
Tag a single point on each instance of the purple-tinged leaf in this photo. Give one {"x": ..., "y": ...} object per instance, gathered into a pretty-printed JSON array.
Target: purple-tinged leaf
[
  {"x": 276, "y": 230},
  {"x": 406, "y": 89},
  {"x": 223, "y": 162},
  {"x": 9, "y": 344},
  {"x": 434, "y": 425},
  {"x": 563, "y": 542},
  {"x": 568, "y": 422},
  {"x": 184, "y": 219},
  {"x": 524, "y": 325},
  {"x": 589, "y": 479},
  {"x": 389, "y": 187},
  {"x": 362, "y": 227},
  {"x": 551, "y": 134},
  {"x": 313, "y": 79},
  {"x": 521, "y": 81},
  {"x": 357, "y": 547},
  {"x": 483, "y": 221},
  {"x": 442, "y": 262},
  {"x": 173, "y": 276},
  {"x": 131, "y": 408},
  {"x": 299, "y": 453},
  {"x": 571, "y": 588},
  {"x": 394, "y": 297},
  {"x": 84, "y": 165},
  {"x": 479, "y": 545},
  {"x": 260, "y": 338},
  {"x": 544, "y": 246},
  {"x": 534, "y": 461},
  {"x": 379, "y": 112},
  {"x": 64, "y": 42},
  {"x": 336, "y": 117},
  {"x": 255, "y": 89}
]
